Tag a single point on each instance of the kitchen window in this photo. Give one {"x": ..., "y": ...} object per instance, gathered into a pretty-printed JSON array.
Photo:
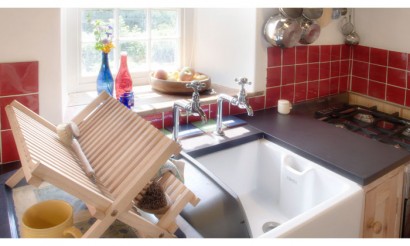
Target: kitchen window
[{"x": 151, "y": 37}]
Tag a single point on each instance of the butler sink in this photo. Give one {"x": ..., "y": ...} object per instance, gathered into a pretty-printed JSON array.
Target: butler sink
[{"x": 282, "y": 194}]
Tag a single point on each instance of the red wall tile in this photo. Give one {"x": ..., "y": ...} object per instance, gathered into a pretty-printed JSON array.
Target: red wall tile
[
  {"x": 155, "y": 119},
  {"x": 397, "y": 59},
  {"x": 30, "y": 101},
  {"x": 378, "y": 73},
  {"x": 396, "y": 77},
  {"x": 343, "y": 84},
  {"x": 335, "y": 69},
  {"x": 312, "y": 90},
  {"x": 18, "y": 78},
  {"x": 345, "y": 51},
  {"x": 325, "y": 53},
  {"x": 361, "y": 53},
  {"x": 273, "y": 77},
  {"x": 324, "y": 70},
  {"x": 313, "y": 54},
  {"x": 301, "y": 73},
  {"x": 377, "y": 90},
  {"x": 407, "y": 98},
  {"x": 289, "y": 56},
  {"x": 324, "y": 87},
  {"x": 272, "y": 97},
  {"x": 359, "y": 85},
  {"x": 344, "y": 68},
  {"x": 288, "y": 75},
  {"x": 234, "y": 110},
  {"x": 378, "y": 56},
  {"x": 335, "y": 52},
  {"x": 313, "y": 71},
  {"x": 395, "y": 94},
  {"x": 334, "y": 86},
  {"x": 301, "y": 54},
  {"x": 360, "y": 69},
  {"x": 257, "y": 103},
  {"x": 300, "y": 92},
  {"x": 274, "y": 56},
  {"x": 287, "y": 92}
]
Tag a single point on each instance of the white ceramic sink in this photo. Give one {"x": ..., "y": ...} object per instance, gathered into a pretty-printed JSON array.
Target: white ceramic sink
[{"x": 274, "y": 185}]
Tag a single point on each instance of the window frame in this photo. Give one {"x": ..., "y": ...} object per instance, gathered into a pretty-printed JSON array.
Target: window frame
[{"x": 72, "y": 42}]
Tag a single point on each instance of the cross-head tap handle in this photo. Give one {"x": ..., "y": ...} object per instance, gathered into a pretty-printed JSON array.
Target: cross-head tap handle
[
  {"x": 242, "y": 82},
  {"x": 196, "y": 85}
]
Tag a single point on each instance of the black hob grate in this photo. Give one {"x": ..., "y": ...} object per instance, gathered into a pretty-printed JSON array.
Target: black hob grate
[{"x": 369, "y": 122}]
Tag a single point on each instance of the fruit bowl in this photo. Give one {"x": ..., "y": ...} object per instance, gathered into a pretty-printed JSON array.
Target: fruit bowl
[{"x": 175, "y": 86}]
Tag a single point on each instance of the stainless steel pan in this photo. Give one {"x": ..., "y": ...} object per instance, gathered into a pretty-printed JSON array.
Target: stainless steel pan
[
  {"x": 310, "y": 31},
  {"x": 281, "y": 31}
]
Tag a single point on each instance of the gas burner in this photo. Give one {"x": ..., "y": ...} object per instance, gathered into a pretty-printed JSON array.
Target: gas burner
[
  {"x": 387, "y": 125},
  {"x": 371, "y": 123},
  {"x": 406, "y": 132},
  {"x": 367, "y": 118}
]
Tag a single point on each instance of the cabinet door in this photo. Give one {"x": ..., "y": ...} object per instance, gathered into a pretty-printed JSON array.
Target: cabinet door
[{"x": 382, "y": 213}]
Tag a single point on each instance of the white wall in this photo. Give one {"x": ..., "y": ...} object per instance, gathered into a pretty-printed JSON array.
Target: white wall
[
  {"x": 225, "y": 42},
  {"x": 34, "y": 35},
  {"x": 229, "y": 43},
  {"x": 384, "y": 28}
]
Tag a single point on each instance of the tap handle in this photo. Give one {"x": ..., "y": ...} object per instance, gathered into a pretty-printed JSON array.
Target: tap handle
[
  {"x": 242, "y": 82},
  {"x": 196, "y": 85}
]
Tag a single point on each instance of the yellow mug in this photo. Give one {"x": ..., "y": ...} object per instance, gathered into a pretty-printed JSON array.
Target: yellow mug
[{"x": 49, "y": 219}]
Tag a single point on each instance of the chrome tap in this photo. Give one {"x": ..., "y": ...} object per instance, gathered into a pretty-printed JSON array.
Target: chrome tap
[
  {"x": 192, "y": 107},
  {"x": 238, "y": 100}
]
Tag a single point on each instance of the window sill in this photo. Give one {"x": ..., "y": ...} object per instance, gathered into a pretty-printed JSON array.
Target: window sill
[{"x": 146, "y": 100}]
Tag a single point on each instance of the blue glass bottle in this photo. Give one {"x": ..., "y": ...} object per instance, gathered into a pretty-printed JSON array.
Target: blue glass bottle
[{"x": 105, "y": 81}]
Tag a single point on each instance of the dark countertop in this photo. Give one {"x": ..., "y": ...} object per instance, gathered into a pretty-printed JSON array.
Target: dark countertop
[{"x": 356, "y": 157}]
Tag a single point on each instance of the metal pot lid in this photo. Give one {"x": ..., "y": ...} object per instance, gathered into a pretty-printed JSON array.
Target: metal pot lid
[
  {"x": 312, "y": 13},
  {"x": 291, "y": 12}
]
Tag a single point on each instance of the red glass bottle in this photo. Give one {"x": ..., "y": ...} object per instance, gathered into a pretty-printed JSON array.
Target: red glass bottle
[{"x": 123, "y": 81}]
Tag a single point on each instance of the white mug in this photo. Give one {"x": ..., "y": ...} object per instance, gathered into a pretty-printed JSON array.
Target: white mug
[{"x": 284, "y": 106}]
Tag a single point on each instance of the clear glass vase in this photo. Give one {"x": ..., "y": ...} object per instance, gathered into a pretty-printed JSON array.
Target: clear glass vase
[{"x": 105, "y": 81}]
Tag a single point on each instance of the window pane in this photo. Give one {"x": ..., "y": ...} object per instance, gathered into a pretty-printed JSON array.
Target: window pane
[
  {"x": 132, "y": 23},
  {"x": 88, "y": 16},
  {"x": 91, "y": 60},
  {"x": 137, "y": 55},
  {"x": 163, "y": 53},
  {"x": 163, "y": 23}
]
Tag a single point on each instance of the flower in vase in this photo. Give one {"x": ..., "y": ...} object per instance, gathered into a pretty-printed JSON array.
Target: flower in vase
[{"x": 103, "y": 34}]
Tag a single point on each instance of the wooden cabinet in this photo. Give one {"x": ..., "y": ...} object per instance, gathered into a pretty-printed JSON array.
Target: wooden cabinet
[{"x": 383, "y": 206}]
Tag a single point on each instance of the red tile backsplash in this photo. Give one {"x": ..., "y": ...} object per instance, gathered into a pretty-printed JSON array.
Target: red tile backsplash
[
  {"x": 397, "y": 59},
  {"x": 395, "y": 94},
  {"x": 313, "y": 71},
  {"x": 325, "y": 53},
  {"x": 378, "y": 56},
  {"x": 396, "y": 77},
  {"x": 301, "y": 73},
  {"x": 30, "y": 101},
  {"x": 324, "y": 70},
  {"x": 301, "y": 54},
  {"x": 20, "y": 81},
  {"x": 288, "y": 75},
  {"x": 257, "y": 103},
  {"x": 361, "y": 53},
  {"x": 359, "y": 85},
  {"x": 360, "y": 69},
  {"x": 377, "y": 90},
  {"x": 274, "y": 56},
  {"x": 18, "y": 78},
  {"x": 300, "y": 92},
  {"x": 272, "y": 97},
  {"x": 377, "y": 73},
  {"x": 273, "y": 76},
  {"x": 312, "y": 90},
  {"x": 336, "y": 52},
  {"x": 289, "y": 56},
  {"x": 313, "y": 53}
]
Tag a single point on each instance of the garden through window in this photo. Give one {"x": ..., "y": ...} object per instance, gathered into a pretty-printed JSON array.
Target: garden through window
[{"x": 151, "y": 37}]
